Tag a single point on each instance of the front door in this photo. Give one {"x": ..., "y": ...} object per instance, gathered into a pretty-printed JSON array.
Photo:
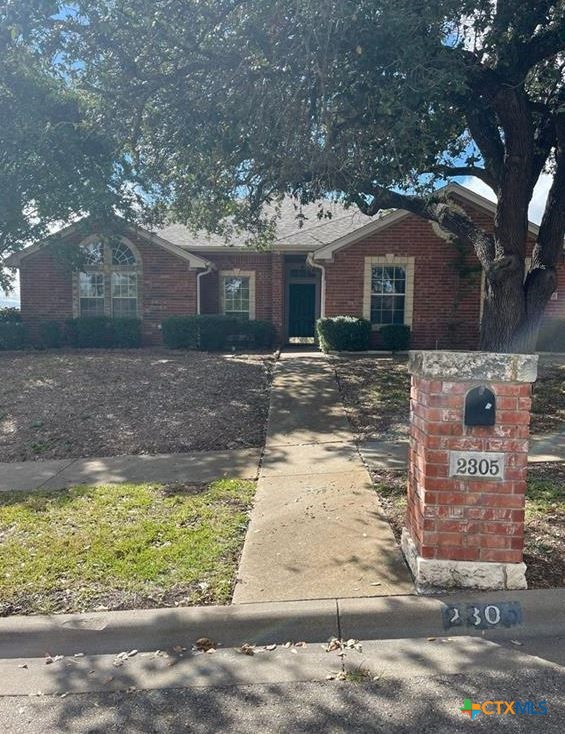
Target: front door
[{"x": 302, "y": 309}]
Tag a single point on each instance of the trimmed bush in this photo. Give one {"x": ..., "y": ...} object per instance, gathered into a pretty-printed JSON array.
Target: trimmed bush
[
  {"x": 50, "y": 335},
  {"x": 126, "y": 333},
  {"x": 395, "y": 337},
  {"x": 12, "y": 332},
  {"x": 552, "y": 336},
  {"x": 95, "y": 332},
  {"x": 343, "y": 334},
  {"x": 263, "y": 333},
  {"x": 215, "y": 332}
]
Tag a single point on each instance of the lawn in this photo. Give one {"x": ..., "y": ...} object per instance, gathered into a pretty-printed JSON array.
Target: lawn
[
  {"x": 376, "y": 394},
  {"x": 68, "y": 404},
  {"x": 121, "y": 547},
  {"x": 544, "y": 551}
]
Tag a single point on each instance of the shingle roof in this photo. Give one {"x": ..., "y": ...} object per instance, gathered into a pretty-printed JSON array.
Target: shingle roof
[{"x": 296, "y": 227}]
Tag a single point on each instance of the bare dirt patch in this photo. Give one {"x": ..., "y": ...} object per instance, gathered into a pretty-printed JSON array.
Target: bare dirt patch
[
  {"x": 376, "y": 394},
  {"x": 68, "y": 404}
]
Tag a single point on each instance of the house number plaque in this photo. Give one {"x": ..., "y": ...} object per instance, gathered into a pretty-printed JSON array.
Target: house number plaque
[{"x": 476, "y": 464}]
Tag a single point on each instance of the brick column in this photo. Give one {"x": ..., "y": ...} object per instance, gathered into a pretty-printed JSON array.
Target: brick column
[{"x": 465, "y": 515}]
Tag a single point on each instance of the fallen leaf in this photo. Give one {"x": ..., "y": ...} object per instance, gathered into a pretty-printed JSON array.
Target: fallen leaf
[
  {"x": 23, "y": 666},
  {"x": 204, "y": 644},
  {"x": 270, "y": 648},
  {"x": 431, "y": 639}
]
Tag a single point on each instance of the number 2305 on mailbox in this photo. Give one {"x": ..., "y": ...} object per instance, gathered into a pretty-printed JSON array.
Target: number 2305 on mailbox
[{"x": 476, "y": 464}]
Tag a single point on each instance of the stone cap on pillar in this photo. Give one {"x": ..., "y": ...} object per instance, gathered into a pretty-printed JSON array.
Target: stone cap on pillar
[{"x": 463, "y": 366}]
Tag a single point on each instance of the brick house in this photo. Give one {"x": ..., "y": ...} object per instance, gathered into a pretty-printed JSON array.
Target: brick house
[{"x": 393, "y": 268}]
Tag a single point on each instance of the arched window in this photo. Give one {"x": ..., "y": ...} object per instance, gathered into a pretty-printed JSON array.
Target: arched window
[{"x": 108, "y": 284}]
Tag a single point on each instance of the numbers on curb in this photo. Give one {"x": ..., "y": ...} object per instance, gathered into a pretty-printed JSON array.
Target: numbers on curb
[{"x": 482, "y": 616}]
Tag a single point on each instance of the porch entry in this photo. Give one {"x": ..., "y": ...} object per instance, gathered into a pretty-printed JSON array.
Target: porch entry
[
  {"x": 302, "y": 299},
  {"x": 302, "y": 310}
]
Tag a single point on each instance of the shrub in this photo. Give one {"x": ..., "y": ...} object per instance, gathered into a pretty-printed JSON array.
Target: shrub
[
  {"x": 103, "y": 332},
  {"x": 343, "y": 334},
  {"x": 12, "y": 332},
  {"x": 213, "y": 332},
  {"x": 552, "y": 336},
  {"x": 10, "y": 315},
  {"x": 180, "y": 332},
  {"x": 50, "y": 335},
  {"x": 217, "y": 332},
  {"x": 263, "y": 333},
  {"x": 126, "y": 333},
  {"x": 395, "y": 337}
]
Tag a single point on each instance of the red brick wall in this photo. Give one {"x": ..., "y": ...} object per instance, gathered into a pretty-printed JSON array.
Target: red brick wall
[
  {"x": 258, "y": 262},
  {"x": 167, "y": 286},
  {"x": 446, "y": 306},
  {"x": 466, "y": 519}
]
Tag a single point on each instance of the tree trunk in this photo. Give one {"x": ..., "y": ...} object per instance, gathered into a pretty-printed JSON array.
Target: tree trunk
[{"x": 513, "y": 309}]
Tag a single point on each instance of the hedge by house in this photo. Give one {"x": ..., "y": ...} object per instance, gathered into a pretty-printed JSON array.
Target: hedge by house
[
  {"x": 395, "y": 337},
  {"x": 216, "y": 332},
  {"x": 12, "y": 332},
  {"x": 343, "y": 334}
]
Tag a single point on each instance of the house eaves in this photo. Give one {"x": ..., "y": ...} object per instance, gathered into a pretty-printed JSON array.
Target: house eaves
[
  {"x": 195, "y": 261},
  {"x": 326, "y": 253}
]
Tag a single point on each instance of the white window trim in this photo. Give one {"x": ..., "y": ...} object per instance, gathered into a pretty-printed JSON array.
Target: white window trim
[
  {"x": 107, "y": 269},
  {"x": 237, "y": 273},
  {"x": 390, "y": 260}
]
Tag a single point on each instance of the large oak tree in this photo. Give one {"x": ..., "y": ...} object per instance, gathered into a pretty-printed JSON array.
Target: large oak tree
[{"x": 220, "y": 105}]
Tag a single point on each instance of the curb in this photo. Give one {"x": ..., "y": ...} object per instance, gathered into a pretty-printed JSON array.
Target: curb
[{"x": 541, "y": 613}]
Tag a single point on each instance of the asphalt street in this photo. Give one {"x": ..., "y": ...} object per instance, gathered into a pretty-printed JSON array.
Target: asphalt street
[{"x": 392, "y": 686}]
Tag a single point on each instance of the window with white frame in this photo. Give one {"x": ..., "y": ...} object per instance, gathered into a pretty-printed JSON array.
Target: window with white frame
[
  {"x": 108, "y": 284},
  {"x": 388, "y": 294},
  {"x": 388, "y": 290},
  {"x": 237, "y": 294}
]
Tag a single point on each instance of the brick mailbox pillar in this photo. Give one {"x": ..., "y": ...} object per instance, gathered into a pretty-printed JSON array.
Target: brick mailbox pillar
[{"x": 469, "y": 427}]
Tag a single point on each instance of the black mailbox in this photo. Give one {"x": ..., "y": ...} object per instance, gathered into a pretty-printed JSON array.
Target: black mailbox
[{"x": 480, "y": 407}]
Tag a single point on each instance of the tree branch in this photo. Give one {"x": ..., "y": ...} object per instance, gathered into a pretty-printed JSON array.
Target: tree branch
[
  {"x": 450, "y": 171},
  {"x": 544, "y": 45},
  {"x": 435, "y": 208}
]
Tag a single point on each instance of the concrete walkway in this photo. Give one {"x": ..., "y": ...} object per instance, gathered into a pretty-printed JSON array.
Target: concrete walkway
[
  {"x": 317, "y": 530},
  {"x": 198, "y": 466}
]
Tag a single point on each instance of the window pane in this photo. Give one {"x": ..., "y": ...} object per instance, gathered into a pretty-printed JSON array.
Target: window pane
[
  {"x": 124, "y": 285},
  {"x": 92, "y": 307},
  {"x": 236, "y": 296},
  {"x": 91, "y": 285},
  {"x": 93, "y": 253},
  {"x": 388, "y": 289},
  {"x": 125, "y": 308},
  {"x": 122, "y": 255}
]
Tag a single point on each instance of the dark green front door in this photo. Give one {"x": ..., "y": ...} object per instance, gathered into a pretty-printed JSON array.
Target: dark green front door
[{"x": 302, "y": 309}]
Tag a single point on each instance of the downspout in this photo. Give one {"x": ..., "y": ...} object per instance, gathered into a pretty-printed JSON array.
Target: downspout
[
  {"x": 209, "y": 269},
  {"x": 310, "y": 261}
]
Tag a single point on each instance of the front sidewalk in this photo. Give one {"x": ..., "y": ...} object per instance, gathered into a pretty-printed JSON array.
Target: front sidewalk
[
  {"x": 317, "y": 530},
  {"x": 195, "y": 467}
]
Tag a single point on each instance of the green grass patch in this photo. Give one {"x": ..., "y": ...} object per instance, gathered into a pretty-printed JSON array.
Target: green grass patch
[
  {"x": 121, "y": 546},
  {"x": 546, "y": 489}
]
